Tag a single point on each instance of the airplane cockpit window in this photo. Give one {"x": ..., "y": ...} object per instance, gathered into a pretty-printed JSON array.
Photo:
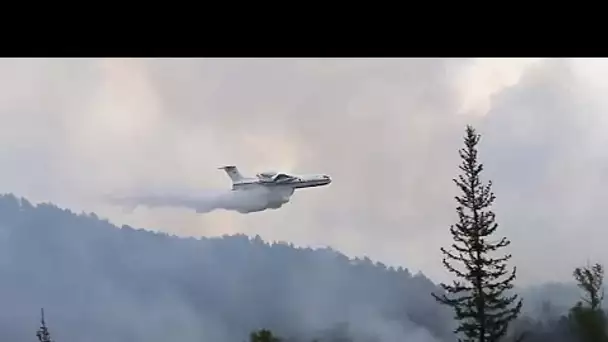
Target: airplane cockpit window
[
  {"x": 266, "y": 174},
  {"x": 281, "y": 176}
]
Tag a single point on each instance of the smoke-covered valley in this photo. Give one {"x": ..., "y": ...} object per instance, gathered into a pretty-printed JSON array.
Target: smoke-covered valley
[{"x": 98, "y": 282}]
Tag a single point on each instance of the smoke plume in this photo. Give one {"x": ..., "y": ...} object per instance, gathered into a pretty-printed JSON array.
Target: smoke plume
[{"x": 243, "y": 201}]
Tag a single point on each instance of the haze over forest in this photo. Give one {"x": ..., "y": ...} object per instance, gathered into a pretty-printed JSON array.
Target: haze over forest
[
  {"x": 386, "y": 130},
  {"x": 98, "y": 282}
]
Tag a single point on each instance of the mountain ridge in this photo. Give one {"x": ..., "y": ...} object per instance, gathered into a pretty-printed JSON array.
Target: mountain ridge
[
  {"x": 132, "y": 284},
  {"x": 136, "y": 284}
]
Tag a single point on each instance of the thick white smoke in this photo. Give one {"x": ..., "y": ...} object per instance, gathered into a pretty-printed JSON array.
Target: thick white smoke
[{"x": 243, "y": 201}]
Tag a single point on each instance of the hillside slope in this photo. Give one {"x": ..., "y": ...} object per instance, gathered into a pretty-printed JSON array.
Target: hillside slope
[{"x": 99, "y": 282}]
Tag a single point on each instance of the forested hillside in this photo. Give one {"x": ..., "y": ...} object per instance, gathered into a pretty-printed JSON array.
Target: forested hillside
[{"x": 98, "y": 282}]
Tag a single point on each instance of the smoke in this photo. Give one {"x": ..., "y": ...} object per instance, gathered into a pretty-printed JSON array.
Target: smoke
[{"x": 243, "y": 201}]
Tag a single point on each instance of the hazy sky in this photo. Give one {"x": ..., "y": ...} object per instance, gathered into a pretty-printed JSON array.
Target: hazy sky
[{"x": 387, "y": 131}]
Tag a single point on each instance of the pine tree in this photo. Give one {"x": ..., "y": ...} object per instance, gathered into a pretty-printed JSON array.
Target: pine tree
[
  {"x": 590, "y": 279},
  {"x": 482, "y": 307},
  {"x": 589, "y": 322},
  {"x": 43, "y": 333}
]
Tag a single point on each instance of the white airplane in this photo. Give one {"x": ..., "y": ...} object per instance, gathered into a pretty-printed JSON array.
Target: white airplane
[
  {"x": 274, "y": 179},
  {"x": 267, "y": 190}
]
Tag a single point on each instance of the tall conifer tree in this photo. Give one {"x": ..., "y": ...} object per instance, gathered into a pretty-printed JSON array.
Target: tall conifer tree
[
  {"x": 43, "y": 333},
  {"x": 483, "y": 308}
]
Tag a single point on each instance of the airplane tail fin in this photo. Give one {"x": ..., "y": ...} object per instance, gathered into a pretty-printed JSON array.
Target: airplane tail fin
[{"x": 233, "y": 173}]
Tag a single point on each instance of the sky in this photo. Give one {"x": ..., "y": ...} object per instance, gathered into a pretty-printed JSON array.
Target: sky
[{"x": 386, "y": 130}]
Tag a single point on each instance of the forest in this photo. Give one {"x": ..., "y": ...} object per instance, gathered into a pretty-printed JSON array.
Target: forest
[{"x": 99, "y": 282}]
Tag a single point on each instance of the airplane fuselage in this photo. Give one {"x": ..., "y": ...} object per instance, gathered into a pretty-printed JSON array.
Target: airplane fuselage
[
  {"x": 275, "y": 179},
  {"x": 300, "y": 183}
]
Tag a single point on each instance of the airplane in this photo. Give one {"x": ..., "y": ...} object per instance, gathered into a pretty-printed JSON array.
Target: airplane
[
  {"x": 274, "y": 179},
  {"x": 267, "y": 190}
]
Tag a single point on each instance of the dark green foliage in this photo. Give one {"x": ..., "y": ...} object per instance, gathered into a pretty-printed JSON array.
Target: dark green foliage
[
  {"x": 589, "y": 321},
  {"x": 482, "y": 307},
  {"x": 590, "y": 280},
  {"x": 263, "y": 335}
]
